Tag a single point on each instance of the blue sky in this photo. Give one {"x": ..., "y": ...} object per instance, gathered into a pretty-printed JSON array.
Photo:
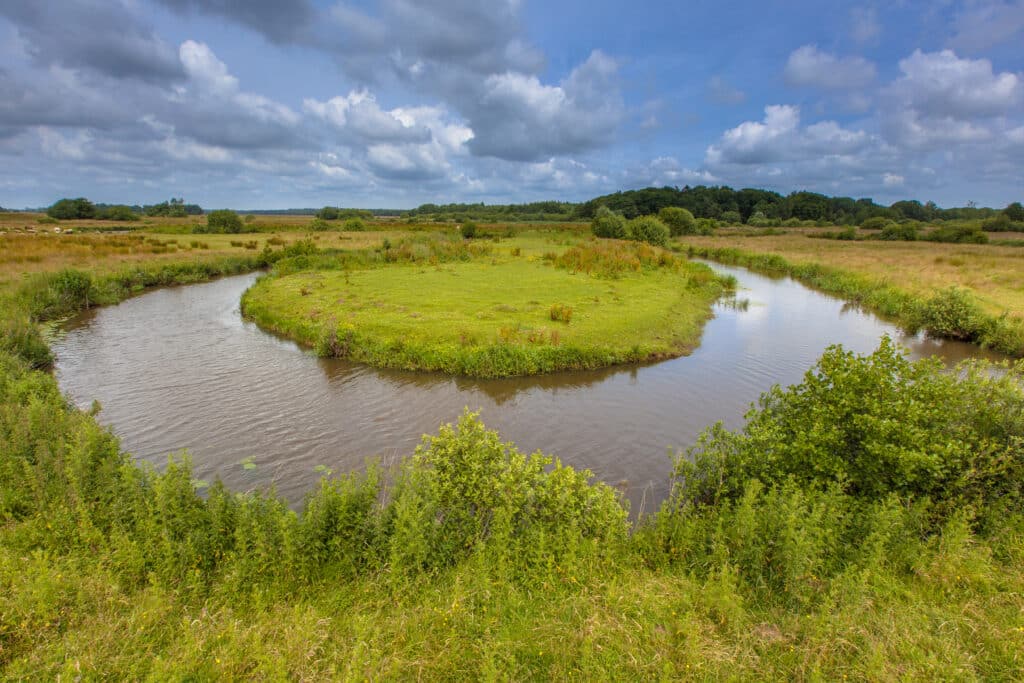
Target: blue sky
[{"x": 393, "y": 103}]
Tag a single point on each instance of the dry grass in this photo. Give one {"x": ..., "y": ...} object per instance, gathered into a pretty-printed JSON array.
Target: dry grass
[
  {"x": 995, "y": 274},
  {"x": 22, "y": 253}
]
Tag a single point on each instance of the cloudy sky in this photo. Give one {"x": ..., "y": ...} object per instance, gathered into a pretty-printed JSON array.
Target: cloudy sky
[{"x": 392, "y": 103}]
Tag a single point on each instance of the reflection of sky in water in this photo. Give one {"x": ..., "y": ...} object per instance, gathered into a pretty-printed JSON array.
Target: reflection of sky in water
[{"x": 178, "y": 368}]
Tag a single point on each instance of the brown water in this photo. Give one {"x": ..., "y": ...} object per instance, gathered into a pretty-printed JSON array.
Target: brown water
[{"x": 178, "y": 369}]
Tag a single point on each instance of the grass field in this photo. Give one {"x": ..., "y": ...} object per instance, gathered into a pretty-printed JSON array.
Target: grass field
[
  {"x": 993, "y": 273},
  {"x": 865, "y": 525},
  {"x": 508, "y": 310}
]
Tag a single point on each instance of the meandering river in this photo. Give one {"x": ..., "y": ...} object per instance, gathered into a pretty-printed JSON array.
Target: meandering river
[{"x": 178, "y": 369}]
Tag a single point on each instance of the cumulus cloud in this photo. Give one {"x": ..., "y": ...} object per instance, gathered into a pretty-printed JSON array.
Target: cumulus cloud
[
  {"x": 809, "y": 66},
  {"x": 943, "y": 84},
  {"x": 780, "y": 137},
  {"x": 104, "y": 37},
  {"x": 519, "y": 118},
  {"x": 280, "y": 21}
]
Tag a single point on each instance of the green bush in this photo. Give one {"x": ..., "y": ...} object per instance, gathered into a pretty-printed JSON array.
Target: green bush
[
  {"x": 873, "y": 426},
  {"x": 468, "y": 230},
  {"x": 223, "y": 221},
  {"x": 731, "y": 218},
  {"x": 897, "y": 232},
  {"x": 353, "y": 225},
  {"x": 319, "y": 225},
  {"x": 952, "y": 314},
  {"x": 706, "y": 226},
  {"x": 328, "y": 213},
  {"x": 875, "y": 223},
  {"x": 959, "y": 234},
  {"x": 608, "y": 224},
  {"x": 72, "y": 209},
  {"x": 648, "y": 229},
  {"x": 20, "y": 337},
  {"x": 679, "y": 220},
  {"x": 118, "y": 212}
]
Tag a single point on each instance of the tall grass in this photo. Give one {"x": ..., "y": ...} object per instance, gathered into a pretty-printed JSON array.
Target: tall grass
[{"x": 803, "y": 546}]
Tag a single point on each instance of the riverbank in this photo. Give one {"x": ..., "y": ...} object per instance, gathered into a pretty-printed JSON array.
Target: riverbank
[
  {"x": 884, "y": 280},
  {"x": 495, "y": 311},
  {"x": 866, "y": 524}
]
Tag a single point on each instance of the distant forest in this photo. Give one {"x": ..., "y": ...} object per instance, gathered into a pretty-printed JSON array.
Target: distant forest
[{"x": 720, "y": 203}]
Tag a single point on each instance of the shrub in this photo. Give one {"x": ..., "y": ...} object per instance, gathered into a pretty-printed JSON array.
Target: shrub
[
  {"x": 731, "y": 218},
  {"x": 353, "y": 225},
  {"x": 875, "y": 223},
  {"x": 679, "y": 220},
  {"x": 898, "y": 232},
  {"x": 72, "y": 209},
  {"x": 608, "y": 224},
  {"x": 874, "y": 426},
  {"x": 319, "y": 225},
  {"x": 648, "y": 229},
  {"x": 223, "y": 221},
  {"x": 959, "y": 234},
  {"x": 706, "y": 226},
  {"x": 21, "y": 338},
  {"x": 1014, "y": 212},
  {"x": 118, "y": 212},
  {"x": 468, "y": 230},
  {"x": 561, "y": 313},
  {"x": 249, "y": 218},
  {"x": 328, "y": 213},
  {"x": 999, "y": 223},
  {"x": 952, "y": 313},
  {"x": 47, "y": 220}
]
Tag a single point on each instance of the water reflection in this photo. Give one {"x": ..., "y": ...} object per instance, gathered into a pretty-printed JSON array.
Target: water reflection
[{"x": 179, "y": 369}]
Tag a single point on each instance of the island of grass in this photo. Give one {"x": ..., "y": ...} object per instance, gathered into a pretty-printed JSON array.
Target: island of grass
[{"x": 485, "y": 310}]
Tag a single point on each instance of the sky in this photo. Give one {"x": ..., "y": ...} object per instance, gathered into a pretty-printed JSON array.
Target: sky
[{"x": 271, "y": 104}]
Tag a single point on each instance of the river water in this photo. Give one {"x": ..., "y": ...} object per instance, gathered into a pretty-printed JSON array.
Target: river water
[{"x": 178, "y": 369}]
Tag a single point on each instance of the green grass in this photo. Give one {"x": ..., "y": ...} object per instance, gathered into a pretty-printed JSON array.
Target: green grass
[{"x": 496, "y": 314}]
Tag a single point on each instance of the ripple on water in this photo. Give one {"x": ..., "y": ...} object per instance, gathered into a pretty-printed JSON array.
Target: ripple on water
[{"x": 178, "y": 368}]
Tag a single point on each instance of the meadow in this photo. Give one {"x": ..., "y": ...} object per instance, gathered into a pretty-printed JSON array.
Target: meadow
[
  {"x": 865, "y": 524},
  {"x": 494, "y": 309}
]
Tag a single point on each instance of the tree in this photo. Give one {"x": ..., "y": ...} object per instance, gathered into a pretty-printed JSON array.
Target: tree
[
  {"x": 117, "y": 212},
  {"x": 72, "y": 209},
  {"x": 1015, "y": 212},
  {"x": 679, "y": 220},
  {"x": 328, "y": 213},
  {"x": 223, "y": 220},
  {"x": 608, "y": 224},
  {"x": 648, "y": 229}
]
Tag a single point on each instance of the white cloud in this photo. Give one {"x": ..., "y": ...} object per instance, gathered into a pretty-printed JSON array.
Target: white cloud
[
  {"x": 809, "y": 66},
  {"x": 892, "y": 180},
  {"x": 63, "y": 146},
  {"x": 940, "y": 83}
]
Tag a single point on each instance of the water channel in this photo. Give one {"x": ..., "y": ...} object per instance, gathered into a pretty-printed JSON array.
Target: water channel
[{"x": 179, "y": 369}]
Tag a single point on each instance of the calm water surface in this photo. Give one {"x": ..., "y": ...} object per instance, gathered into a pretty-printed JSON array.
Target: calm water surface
[{"x": 178, "y": 369}]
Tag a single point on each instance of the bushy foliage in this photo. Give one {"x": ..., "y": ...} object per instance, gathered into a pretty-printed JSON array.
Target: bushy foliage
[
  {"x": 608, "y": 224},
  {"x": 679, "y": 220},
  {"x": 319, "y": 225},
  {"x": 328, "y": 213},
  {"x": 897, "y": 232},
  {"x": 223, "y": 221},
  {"x": 648, "y": 229},
  {"x": 872, "y": 426},
  {"x": 875, "y": 223},
  {"x": 959, "y": 234},
  {"x": 1014, "y": 212},
  {"x": 117, "y": 212},
  {"x": 468, "y": 230},
  {"x": 353, "y": 225},
  {"x": 72, "y": 209}
]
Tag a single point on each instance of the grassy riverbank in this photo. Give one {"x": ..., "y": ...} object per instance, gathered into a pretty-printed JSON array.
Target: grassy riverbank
[
  {"x": 899, "y": 555},
  {"x": 492, "y": 311},
  {"x": 866, "y": 524},
  {"x": 966, "y": 292}
]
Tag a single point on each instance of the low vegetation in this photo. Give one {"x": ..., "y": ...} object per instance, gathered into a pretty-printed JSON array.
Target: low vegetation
[
  {"x": 472, "y": 309},
  {"x": 865, "y": 524},
  {"x": 970, "y": 295}
]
